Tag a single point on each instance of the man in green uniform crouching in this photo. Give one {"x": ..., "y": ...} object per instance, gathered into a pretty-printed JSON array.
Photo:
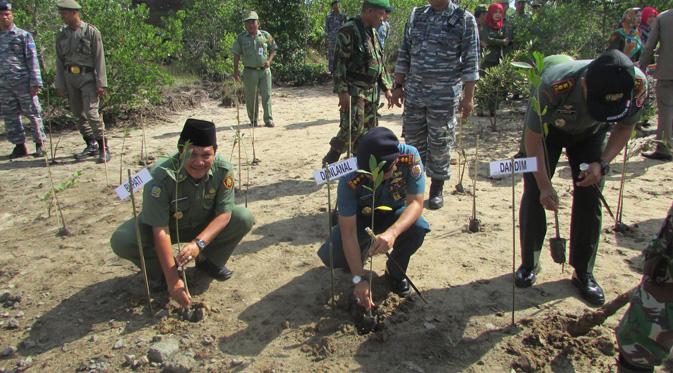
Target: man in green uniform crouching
[{"x": 201, "y": 212}]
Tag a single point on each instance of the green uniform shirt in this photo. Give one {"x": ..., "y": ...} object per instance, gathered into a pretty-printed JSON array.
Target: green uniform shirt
[
  {"x": 561, "y": 92},
  {"x": 254, "y": 51},
  {"x": 81, "y": 47},
  {"x": 197, "y": 203}
]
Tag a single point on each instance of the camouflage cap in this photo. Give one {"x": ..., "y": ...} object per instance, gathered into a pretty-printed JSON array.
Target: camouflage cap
[
  {"x": 68, "y": 4},
  {"x": 383, "y": 4},
  {"x": 4, "y": 5},
  {"x": 251, "y": 15}
]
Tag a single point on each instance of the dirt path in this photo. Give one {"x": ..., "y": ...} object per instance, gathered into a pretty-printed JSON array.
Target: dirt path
[{"x": 83, "y": 308}]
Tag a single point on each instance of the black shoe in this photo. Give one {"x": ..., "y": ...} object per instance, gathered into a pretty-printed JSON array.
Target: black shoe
[
  {"x": 436, "y": 199},
  {"x": 39, "y": 151},
  {"x": 220, "y": 273},
  {"x": 269, "y": 124},
  {"x": 589, "y": 288},
  {"x": 19, "y": 151},
  {"x": 399, "y": 287},
  {"x": 524, "y": 277},
  {"x": 331, "y": 157},
  {"x": 91, "y": 150},
  {"x": 658, "y": 155}
]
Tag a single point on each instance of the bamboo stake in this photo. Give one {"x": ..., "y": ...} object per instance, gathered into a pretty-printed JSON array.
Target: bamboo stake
[{"x": 140, "y": 244}]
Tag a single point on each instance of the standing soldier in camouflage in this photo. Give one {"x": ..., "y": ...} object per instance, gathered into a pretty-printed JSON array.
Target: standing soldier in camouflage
[
  {"x": 81, "y": 76},
  {"x": 20, "y": 82},
  {"x": 645, "y": 333},
  {"x": 333, "y": 23},
  {"x": 358, "y": 72},
  {"x": 438, "y": 55},
  {"x": 257, "y": 49}
]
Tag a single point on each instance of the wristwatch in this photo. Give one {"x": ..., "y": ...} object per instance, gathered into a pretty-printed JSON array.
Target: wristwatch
[
  {"x": 357, "y": 279},
  {"x": 200, "y": 244},
  {"x": 605, "y": 167}
]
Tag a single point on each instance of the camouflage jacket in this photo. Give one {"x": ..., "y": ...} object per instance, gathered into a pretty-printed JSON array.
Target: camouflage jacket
[
  {"x": 439, "y": 51},
  {"x": 18, "y": 58},
  {"x": 358, "y": 61},
  {"x": 659, "y": 254}
]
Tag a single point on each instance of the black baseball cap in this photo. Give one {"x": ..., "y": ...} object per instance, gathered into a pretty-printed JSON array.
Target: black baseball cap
[
  {"x": 382, "y": 144},
  {"x": 610, "y": 81},
  {"x": 5, "y": 5},
  {"x": 199, "y": 133}
]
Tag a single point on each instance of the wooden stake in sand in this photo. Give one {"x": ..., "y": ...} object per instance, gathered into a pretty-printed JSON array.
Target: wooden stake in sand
[
  {"x": 513, "y": 243},
  {"x": 350, "y": 129},
  {"x": 461, "y": 156},
  {"x": 104, "y": 150},
  {"x": 64, "y": 231},
  {"x": 619, "y": 225},
  {"x": 252, "y": 129},
  {"x": 330, "y": 247},
  {"x": 143, "y": 142},
  {"x": 139, "y": 242},
  {"x": 474, "y": 224}
]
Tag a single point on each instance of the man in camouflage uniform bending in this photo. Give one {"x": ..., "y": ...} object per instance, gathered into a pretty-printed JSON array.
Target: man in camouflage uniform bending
[
  {"x": 20, "y": 82},
  {"x": 645, "y": 334},
  {"x": 358, "y": 71},
  {"x": 438, "y": 55}
]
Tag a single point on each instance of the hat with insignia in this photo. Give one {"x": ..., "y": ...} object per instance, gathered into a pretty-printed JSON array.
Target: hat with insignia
[
  {"x": 4, "y": 5},
  {"x": 610, "y": 82},
  {"x": 250, "y": 16},
  {"x": 198, "y": 132},
  {"x": 68, "y": 4},
  {"x": 382, "y": 4},
  {"x": 382, "y": 144}
]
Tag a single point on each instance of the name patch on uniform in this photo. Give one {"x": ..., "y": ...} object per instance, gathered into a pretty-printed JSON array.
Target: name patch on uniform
[
  {"x": 141, "y": 178},
  {"x": 228, "y": 182},
  {"x": 563, "y": 85},
  {"x": 156, "y": 192}
]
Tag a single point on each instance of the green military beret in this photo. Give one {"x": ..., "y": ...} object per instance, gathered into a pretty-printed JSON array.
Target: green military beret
[
  {"x": 68, "y": 4},
  {"x": 383, "y": 4},
  {"x": 251, "y": 15}
]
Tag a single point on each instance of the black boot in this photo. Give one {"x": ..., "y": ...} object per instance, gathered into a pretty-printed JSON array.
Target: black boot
[
  {"x": 19, "y": 151},
  {"x": 103, "y": 152},
  {"x": 91, "y": 150},
  {"x": 589, "y": 288},
  {"x": 436, "y": 200},
  {"x": 331, "y": 157}
]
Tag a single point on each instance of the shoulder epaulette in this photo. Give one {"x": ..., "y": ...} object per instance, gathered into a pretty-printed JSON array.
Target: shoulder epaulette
[
  {"x": 407, "y": 159},
  {"x": 356, "y": 181}
]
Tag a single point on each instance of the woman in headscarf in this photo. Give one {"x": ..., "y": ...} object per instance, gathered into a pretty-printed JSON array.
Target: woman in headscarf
[
  {"x": 492, "y": 36},
  {"x": 627, "y": 37},
  {"x": 647, "y": 20}
]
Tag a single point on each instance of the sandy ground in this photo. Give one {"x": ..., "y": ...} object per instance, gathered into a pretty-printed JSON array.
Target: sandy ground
[{"x": 82, "y": 308}]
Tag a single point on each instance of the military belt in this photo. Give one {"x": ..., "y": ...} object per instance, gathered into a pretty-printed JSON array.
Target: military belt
[
  {"x": 253, "y": 68},
  {"x": 75, "y": 69}
]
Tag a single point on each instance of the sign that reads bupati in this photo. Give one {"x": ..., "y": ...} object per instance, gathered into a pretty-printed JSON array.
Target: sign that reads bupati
[
  {"x": 336, "y": 170},
  {"x": 138, "y": 180}
]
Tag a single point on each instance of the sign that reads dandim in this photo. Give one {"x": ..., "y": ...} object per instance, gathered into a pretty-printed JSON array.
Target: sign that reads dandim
[
  {"x": 336, "y": 170},
  {"x": 520, "y": 166}
]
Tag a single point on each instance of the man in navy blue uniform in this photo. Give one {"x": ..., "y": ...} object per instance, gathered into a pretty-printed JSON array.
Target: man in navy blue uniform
[{"x": 400, "y": 228}]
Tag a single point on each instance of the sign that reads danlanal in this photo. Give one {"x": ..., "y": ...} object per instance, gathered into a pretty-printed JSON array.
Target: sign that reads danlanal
[
  {"x": 336, "y": 170},
  {"x": 141, "y": 178},
  {"x": 520, "y": 166}
]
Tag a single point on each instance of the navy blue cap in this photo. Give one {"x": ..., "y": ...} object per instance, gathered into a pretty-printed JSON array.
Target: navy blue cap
[{"x": 382, "y": 144}]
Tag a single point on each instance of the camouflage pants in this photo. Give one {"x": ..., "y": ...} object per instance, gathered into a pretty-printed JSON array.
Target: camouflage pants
[
  {"x": 15, "y": 102},
  {"x": 645, "y": 333},
  {"x": 363, "y": 118},
  {"x": 432, "y": 131}
]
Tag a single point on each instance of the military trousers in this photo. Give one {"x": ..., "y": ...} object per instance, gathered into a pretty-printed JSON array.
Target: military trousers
[
  {"x": 431, "y": 130},
  {"x": 84, "y": 103},
  {"x": 124, "y": 242},
  {"x": 15, "y": 102},
  {"x": 331, "y": 43},
  {"x": 664, "y": 92},
  {"x": 257, "y": 82},
  {"x": 645, "y": 333},
  {"x": 585, "y": 223},
  {"x": 405, "y": 245},
  {"x": 363, "y": 118}
]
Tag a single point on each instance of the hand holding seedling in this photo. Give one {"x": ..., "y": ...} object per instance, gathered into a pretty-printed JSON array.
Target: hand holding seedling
[
  {"x": 362, "y": 294},
  {"x": 383, "y": 243},
  {"x": 188, "y": 253},
  {"x": 590, "y": 177},
  {"x": 177, "y": 291}
]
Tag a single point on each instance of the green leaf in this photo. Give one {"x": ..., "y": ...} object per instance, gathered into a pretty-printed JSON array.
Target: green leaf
[
  {"x": 545, "y": 127},
  {"x": 521, "y": 65},
  {"x": 170, "y": 173},
  {"x": 360, "y": 171},
  {"x": 544, "y": 111},
  {"x": 372, "y": 163},
  {"x": 384, "y": 208},
  {"x": 368, "y": 188}
]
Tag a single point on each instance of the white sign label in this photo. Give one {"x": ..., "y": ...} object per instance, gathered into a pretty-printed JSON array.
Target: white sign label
[
  {"x": 139, "y": 179},
  {"x": 521, "y": 165},
  {"x": 336, "y": 170}
]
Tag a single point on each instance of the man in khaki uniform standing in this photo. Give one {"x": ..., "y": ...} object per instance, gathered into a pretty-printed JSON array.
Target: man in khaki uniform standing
[
  {"x": 80, "y": 74},
  {"x": 662, "y": 34},
  {"x": 256, "y": 48}
]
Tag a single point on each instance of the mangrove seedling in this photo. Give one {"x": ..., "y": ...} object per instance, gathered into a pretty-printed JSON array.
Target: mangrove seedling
[
  {"x": 72, "y": 181},
  {"x": 121, "y": 154},
  {"x": 475, "y": 225},
  {"x": 139, "y": 243}
]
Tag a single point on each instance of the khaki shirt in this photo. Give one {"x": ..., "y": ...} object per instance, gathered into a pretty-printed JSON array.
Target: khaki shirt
[
  {"x": 81, "y": 47},
  {"x": 661, "y": 34},
  {"x": 197, "y": 203},
  {"x": 254, "y": 51},
  {"x": 561, "y": 93}
]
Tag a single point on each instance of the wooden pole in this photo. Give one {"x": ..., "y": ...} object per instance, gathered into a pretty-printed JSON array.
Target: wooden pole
[{"x": 141, "y": 252}]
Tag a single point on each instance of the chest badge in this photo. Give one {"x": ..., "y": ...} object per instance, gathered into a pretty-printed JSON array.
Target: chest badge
[{"x": 178, "y": 215}]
